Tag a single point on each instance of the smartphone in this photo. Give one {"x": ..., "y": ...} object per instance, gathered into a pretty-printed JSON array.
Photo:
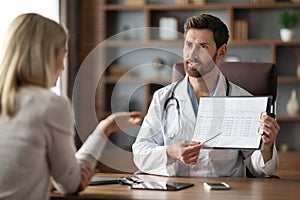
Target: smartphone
[{"x": 216, "y": 186}]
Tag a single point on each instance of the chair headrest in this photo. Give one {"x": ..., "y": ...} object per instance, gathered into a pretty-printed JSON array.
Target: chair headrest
[{"x": 258, "y": 78}]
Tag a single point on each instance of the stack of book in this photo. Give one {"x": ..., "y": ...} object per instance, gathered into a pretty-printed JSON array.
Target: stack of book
[
  {"x": 240, "y": 30},
  {"x": 197, "y": 1},
  {"x": 262, "y": 1},
  {"x": 181, "y": 2},
  {"x": 189, "y": 2},
  {"x": 134, "y": 2}
]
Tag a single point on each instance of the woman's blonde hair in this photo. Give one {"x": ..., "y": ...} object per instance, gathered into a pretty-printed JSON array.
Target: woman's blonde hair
[{"x": 28, "y": 58}]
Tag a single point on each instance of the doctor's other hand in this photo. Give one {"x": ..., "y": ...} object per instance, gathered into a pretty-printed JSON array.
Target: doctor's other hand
[
  {"x": 119, "y": 121},
  {"x": 270, "y": 128},
  {"x": 185, "y": 151}
]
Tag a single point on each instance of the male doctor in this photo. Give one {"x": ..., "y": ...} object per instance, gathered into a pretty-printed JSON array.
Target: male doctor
[{"x": 163, "y": 145}]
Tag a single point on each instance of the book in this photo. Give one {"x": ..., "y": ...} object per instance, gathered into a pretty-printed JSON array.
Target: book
[
  {"x": 240, "y": 30},
  {"x": 230, "y": 122},
  {"x": 134, "y": 2}
]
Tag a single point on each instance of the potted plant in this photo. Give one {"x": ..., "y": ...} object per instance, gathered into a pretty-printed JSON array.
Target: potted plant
[{"x": 288, "y": 20}]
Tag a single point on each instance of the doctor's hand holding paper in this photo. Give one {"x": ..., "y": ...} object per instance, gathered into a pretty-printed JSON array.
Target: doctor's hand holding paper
[
  {"x": 270, "y": 128},
  {"x": 164, "y": 144}
]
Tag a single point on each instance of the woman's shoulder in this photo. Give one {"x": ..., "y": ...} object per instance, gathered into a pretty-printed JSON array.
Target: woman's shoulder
[
  {"x": 42, "y": 98},
  {"x": 53, "y": 109},
  {"x": 40, "y": 93}
]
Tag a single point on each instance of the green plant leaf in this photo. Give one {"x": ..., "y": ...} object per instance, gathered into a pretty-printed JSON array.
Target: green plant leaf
[{"x": 287, "y": 19}]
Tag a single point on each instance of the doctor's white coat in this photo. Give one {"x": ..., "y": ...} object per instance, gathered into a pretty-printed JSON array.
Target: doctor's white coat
[{"x": 149, "y": 149}]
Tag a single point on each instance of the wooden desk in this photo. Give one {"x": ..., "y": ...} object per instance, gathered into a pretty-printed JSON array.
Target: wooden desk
[{"x": 241, "y": 188}]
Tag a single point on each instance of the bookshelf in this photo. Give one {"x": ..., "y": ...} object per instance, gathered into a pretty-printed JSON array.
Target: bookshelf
[{"x": 102, "y": 20}]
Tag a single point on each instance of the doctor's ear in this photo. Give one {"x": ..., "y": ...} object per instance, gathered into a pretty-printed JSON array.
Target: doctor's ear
[{"x": 222, "y": 51}]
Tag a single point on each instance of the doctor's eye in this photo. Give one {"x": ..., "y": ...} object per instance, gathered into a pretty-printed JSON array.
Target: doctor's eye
[
  {"x": 188, "y": 44},
  {"x": 202, "y": 47}
]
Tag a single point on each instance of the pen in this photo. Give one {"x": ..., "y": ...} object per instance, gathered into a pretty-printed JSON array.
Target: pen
[{"x": 212, "y": 138}]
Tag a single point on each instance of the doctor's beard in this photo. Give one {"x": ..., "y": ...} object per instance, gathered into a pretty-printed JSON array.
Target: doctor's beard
[{"x": 196, "y": 68}]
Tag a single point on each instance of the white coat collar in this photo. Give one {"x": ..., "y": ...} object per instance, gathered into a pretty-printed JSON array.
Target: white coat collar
[
  {"x": 221, "y": 86},
  {"x": 181, "y": 93}
]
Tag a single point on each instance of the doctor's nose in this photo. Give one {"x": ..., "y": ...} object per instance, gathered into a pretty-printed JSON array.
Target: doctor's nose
[{"x": 193, "y": 52}]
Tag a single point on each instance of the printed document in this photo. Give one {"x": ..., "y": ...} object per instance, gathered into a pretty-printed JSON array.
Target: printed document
[{"x": 230, "y": 122}]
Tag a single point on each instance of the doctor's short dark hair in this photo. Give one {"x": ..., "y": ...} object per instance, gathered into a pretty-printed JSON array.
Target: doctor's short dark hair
[{"x": 206, "y": 21}]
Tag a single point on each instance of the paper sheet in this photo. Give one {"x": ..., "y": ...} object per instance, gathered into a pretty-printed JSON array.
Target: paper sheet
[{"x": 236, "y": 118}]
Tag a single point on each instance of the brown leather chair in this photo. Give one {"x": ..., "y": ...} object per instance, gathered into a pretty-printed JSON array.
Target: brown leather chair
[{"x": 258, "y": 78}]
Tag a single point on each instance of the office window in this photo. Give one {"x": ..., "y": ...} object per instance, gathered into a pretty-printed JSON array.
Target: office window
[{"x": 12, "y": 8}]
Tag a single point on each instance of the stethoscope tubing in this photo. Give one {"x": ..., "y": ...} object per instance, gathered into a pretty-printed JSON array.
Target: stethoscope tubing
[{"x": 172, "y": 97}]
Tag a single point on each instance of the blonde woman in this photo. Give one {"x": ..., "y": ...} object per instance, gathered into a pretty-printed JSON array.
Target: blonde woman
[{"x": 36, "y": 126}]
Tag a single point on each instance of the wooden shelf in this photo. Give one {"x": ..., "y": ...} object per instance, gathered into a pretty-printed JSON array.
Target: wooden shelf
[
  {"x": 215, "y": 6},
  {"x": 251, "y": 42},
  {"x": 278, "y": 5},
  {"x": 288, "y": 79},
  {"x": 275, "y": 5},
  {"x": 146, "y": 43},
  {"x": 122, "y": 7},
  {"x": 286, "y": 118},
  {"x": 264, "y": 42},
  {"x": 291, "y": 43},
  {"x": 134, "y": 79},
  {"x": 167, "y": 7}
]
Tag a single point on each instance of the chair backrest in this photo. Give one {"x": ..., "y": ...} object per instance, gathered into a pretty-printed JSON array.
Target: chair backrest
[{"x": 258, "y": 78}]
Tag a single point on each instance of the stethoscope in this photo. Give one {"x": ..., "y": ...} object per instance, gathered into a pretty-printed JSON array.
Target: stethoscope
[{"x": 173, "y": 98}]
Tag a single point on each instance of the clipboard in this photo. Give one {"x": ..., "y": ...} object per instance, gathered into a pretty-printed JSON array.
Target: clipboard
[{"x": 231, "y": 122}]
